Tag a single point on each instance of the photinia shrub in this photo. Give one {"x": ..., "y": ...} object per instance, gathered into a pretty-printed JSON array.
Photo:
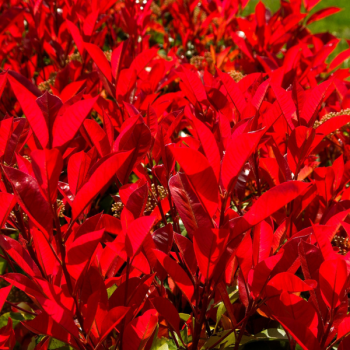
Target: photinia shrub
[{"x": 174, "y": 175}]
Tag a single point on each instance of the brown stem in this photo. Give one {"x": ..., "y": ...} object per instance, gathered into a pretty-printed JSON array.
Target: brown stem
[
  {"x": 125, "y": 300},
  {"x": 199, "y": 321},
  {"x": 243, "y": 321},
  {"x": 240, "y": 335},
  {"x": 257, "y": 173},
  {"x": 223, "y": 208},
  {"x": 325, "y": 336},
  {"x": 19, "y": 308},
  {"x": 173, "y": 212}
]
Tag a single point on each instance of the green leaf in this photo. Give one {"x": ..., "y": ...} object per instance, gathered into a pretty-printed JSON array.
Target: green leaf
[
  {"x": 57, "y": 344},
  {"x": 233, "y": 295},
  {"x": 273, "y": 334},
  {"x": 111, "y": 290},
  {"x": 163, "y": 344},
  {"x": 184, "y": 317},
  {"x": 3, "y": 264},
  {"x": 32, "y": 344},
  {"x": 15, "y": 316},
  {"x": 220, "y": 339},
  {"x": 220, "y": 312}
]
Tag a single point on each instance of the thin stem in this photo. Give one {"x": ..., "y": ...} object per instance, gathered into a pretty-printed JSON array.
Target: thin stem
[
  {"x": 199, "y": 321},
  {"x": 127, "y": 280},
  {"x": 240, "y": 335},
  {"x": 223, "y": 208},
  {"x": 125, "y": 300},
  {"x": 256, "y": 166},
  {"x": 19, "y": 308},
  {"x": 63, "y": 264}
]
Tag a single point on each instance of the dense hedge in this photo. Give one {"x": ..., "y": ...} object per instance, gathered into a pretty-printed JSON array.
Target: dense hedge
[{"x": 173, "y": 175}]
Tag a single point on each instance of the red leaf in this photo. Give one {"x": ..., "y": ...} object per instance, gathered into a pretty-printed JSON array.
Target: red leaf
[
  {"x": 71, "y": 90},
  {"x": 45, "y": 254},
  {"x": 90, "y": 22},
  {"x": 7, "y": 336},
  {"x": 259, "y": 276},
  {"x": 78, "y": 167},
  {"x": 344, "y": 344},
  {"x": 339, "y": 59},
  {"x": 19, "y": 255},
  {"x": 285, "y": 101},
  {"x": 233, "y": 91},
  {"x": 299, "y": 145},
  {"x": 177, "y": 274},
  {"x": 116, "y": 59},
  {"x": 209, "y": 145},
  {"x": 49, "y": 105},
  {"x": 112, "y": 319},
  {"x": 286, "y": 281},
  {"x": 143, "y": 59},
  {"x": 7, "y": 202},
  {"x": 98, "y": 180},
  {"x": 310, "y": 261},
  {"x": 323, "y": 235},
  {"x": 9, "y": 17},
  {"x": 134, "y": 135},
  {"x": 167, "y": 310},
  {"x": 193, "y": 84},
  {"x": 27, "y": 100},
  {"x": 328, "y": 127},
  {"x": 313, "y": 101},
  {"x": 152, "y": 120},
  {"x": 100, "y": 59},
  {"x": 332, "y": 279},
  {"x": 25, "y": 284},
  {"x": 6, "y": 129},
  {"x": 244, "y": 257},
  {"x": 209, "y": 244},
  {"x": 262, "y": 242},
  {"x": 237, "y": 154},
  {"x": 310, "y": 4},
  {"x": 80, "y": 251},
  {"x": 4, "y": 292},
  {"x": 188, "y": 205},
  {"x": 344, "y": 328},
  {"x": 44, "y": 324},
  {"x": 76, "y": 36},
  {"x": 201, "y": 176},
  {"x": 98, "y": 137},
  {"x": 139, "y": 330},
  {"x": 136, "y": 234},
  {"x": 163, "y": 238},
  {"x": 320, "y": 14},
  {"x": 47, "y": 166},
  {"x": 298, "y": 317},
  {"x": 28, "y": 195},
  {"x": 271, "y": 201},
  {"x": 136, "y": 201},
  {"x": 67, "y": 124},
  {"x": 186, "y": 249}
]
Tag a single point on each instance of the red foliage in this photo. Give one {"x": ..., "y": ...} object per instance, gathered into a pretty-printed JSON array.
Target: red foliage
[{"x": 181, "y": 175}]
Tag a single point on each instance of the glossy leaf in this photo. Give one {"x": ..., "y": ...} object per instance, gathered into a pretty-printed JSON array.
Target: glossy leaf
[
  {"x": 178, "y": 275},
  {"x": 98, "y": 180},
  {"x": 28, "y": 194}
]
